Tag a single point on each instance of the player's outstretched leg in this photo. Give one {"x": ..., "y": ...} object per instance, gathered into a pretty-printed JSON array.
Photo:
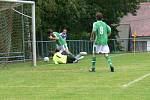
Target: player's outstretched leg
[
  {"x": 80, "y": 55},
  {"x": 92, "y": 69},
  {"x": 68, "y": 52},
  {"x": 109, "y": 61}
]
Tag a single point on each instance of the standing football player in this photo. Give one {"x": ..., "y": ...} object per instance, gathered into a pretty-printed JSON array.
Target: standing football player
[
  {"x": 64, "y": 34},
  {"x": 101, "y": 31}
]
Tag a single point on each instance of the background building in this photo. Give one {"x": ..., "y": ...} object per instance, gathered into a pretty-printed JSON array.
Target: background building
[{"x": 139, "y": 24}]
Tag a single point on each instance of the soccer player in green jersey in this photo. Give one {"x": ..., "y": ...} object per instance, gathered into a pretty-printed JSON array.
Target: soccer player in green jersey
[
  {"x": 101, "y": 31},
  {"x": 60, "y": 42}
]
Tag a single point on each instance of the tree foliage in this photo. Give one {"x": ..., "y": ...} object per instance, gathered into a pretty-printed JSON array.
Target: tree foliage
[{"x": 78, "y": 15}]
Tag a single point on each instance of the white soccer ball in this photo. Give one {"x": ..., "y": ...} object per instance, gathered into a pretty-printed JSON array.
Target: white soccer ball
[
  {"x": 46, "y": 59},
  {"x": 83, "y": 53}
]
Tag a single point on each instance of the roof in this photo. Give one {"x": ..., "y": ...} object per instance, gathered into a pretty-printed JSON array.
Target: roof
[{"x": 141, "y": 22}]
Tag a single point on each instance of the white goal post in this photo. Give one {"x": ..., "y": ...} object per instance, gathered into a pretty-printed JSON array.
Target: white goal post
[{"x": 33, "y": 22}]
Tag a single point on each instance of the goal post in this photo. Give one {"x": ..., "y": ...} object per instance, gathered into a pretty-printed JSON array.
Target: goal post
[{"x": 9, "y": 34}]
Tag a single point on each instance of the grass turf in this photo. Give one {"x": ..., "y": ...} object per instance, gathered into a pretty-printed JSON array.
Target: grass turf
[{"x": 20, "y": 81}]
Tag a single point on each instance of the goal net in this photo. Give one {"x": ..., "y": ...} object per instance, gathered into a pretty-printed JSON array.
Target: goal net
[{"x": 17, "y": 31}]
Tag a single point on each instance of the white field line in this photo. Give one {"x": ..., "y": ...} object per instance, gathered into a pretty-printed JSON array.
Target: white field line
[{"x": 136, "y": 80}]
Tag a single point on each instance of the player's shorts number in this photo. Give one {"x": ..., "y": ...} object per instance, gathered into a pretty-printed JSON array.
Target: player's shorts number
[{"x": 101, "y": 30}]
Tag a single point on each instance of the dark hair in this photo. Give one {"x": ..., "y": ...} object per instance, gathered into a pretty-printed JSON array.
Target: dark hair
[
  {"x": 99, "y": 16},
  {"x": 49, "y": 31},
  {"x": 56, "y": 50}
]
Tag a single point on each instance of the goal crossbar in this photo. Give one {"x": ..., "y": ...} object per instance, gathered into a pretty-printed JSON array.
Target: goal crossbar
[{"x": 18, "y": 1}]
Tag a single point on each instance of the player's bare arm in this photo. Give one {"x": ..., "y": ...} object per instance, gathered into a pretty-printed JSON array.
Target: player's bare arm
[{"x": 92, "y": 36}]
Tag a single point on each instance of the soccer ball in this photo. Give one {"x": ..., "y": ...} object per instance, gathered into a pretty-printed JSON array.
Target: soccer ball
[
  {"x": 83, "y": 53},
  {"x": 46, "y": 59}
]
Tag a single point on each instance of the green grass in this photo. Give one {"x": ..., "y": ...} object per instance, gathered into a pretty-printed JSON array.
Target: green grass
[{"x": 20, "y": 81}]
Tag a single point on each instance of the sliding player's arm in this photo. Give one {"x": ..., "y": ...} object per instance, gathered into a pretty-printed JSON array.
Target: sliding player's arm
[
  {"x": 55, "y": 62},
  {"x": 55, "y": 58}
]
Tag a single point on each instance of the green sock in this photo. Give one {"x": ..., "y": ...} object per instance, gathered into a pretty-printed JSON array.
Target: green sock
[
  {"x": 109, "y": 61},
  {"x": 93, "y": 62}
]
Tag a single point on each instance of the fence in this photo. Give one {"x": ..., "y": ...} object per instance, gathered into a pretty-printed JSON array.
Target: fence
[{"x": 76, "y": 46}]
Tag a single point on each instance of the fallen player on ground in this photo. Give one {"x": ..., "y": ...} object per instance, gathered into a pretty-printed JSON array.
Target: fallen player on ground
[{"x": 59, "y": 58}]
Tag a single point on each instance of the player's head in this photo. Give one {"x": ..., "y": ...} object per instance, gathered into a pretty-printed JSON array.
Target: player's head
[
  {"x": 64, "y": 30},
  {"x": 50, "y": 32},
  {"x": 99, "y": 16}
]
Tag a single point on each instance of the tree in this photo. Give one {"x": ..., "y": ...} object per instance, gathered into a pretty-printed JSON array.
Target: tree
[{"x": 78, "y": 15}]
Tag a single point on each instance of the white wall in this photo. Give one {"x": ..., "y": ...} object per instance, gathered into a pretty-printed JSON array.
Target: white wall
[{"x": 148, "y": 45}]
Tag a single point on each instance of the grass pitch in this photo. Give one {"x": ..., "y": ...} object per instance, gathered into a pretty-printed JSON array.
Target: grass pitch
[{"x": 20, "y": 81}]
